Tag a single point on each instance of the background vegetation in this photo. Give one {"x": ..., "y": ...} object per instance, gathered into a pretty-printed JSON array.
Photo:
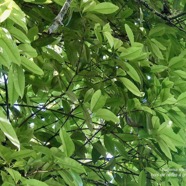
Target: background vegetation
[{"x": 99, "y": 100}]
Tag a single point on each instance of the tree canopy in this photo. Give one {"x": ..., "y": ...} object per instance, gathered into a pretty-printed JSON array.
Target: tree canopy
[{"x": 92, "y": 92}]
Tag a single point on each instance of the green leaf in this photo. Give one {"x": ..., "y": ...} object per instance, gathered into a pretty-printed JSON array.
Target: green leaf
[
  {"x": 158, "y": 68},
  {"x": 181, "y": 73},
  {"x": 6, "y": 8},
  {"x": 132, "y": 73},
  {"x": 18, "y": 34},
  {"x": 8, "y": 131},
  {"x": 129, "y": 34},
  {"x": 18, "y": 17},
  {"x": 14, "y": 174},
  {"x": 28, "y": 50},
  {"x": 131, "y": 54},
  {"x": 97, "y": 101},
  {"x": 88, "y": 118},
  {"x": 158, "y": 44},
  {"x": 9, "y": 50},
  {"x": 103, "y": 8},
  {"x": 18, "y": 79},
  {"x": 67, "y": 177},
  {"x": 107, "y": 115},
  {"x": 181, "y": 100},
  {"x": 131, "y": 87},
  {"x": 142, "y": 178},
  {"x": 34, "y": 182},
  {"x": 168, "y": 141},
  {"x": 109, "y": 38},
  {"x": 68, "y": 163},
  {"x": 68, "y": 145},
  {"x": 156, "y": 51},
  {"x": 164, "y": 148},
  {"x": 12, "y": 93},
  {"x": 31, "y": 66},
  {"x": 166, "y": 129}
]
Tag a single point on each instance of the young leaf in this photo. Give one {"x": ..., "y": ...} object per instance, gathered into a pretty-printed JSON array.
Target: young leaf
[
  {"x": 68, "y": 144},
  {"x": 107, "y": 115}
]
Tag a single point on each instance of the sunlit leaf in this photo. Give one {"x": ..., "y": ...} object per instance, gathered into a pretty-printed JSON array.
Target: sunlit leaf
[
  {"x": 104, "y": 8},
  {"x": 9, "y": 131},
  {"x": 107, "y": 115}
]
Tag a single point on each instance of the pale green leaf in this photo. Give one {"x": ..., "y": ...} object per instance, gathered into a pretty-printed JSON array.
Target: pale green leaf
[
  {"x": 107, "y": 115},
  {"x": 8, "y": 131},
  {"x": 9, "y": 47},
  {"x": 18, "y": 17},
  {"x": 5, "y": 15}
]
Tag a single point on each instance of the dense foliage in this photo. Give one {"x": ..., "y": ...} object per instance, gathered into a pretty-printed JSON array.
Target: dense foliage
[{"x": 100, "y": 100}]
